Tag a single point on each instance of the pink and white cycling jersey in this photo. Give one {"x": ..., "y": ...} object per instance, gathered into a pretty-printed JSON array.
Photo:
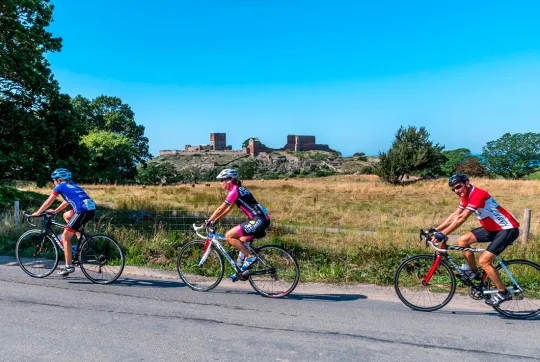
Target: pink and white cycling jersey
[
  {"x": 492, "y": 216},
  {"x": 246, "y": 202}
]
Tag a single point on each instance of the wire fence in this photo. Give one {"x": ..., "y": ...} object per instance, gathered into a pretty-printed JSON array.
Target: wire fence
[{"x": 317, "y": 221}]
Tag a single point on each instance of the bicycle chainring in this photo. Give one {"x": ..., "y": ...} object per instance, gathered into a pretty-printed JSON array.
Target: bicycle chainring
[{"x": 475, "y": 293}]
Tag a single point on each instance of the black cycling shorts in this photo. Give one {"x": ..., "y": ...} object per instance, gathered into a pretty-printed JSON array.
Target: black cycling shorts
[
  {"x": 499, "y": 240},
  {"x": 256, "y": 228},
  {"x": 79, "y": 219}
]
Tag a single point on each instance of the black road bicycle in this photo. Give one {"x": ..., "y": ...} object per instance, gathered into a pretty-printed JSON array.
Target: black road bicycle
[
  {"x": 38, "y": 251},
  {"x": 427, "y": 282}
]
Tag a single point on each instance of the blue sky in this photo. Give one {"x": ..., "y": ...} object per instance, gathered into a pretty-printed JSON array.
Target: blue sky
[{"x": 349, "y": 72}]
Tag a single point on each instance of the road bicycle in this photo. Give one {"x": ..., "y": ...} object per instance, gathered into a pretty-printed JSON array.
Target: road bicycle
[
  {"x": 38, "y": 251},
  {"x": 201, "y": 266},
  {"x": 427, "y": 282}
]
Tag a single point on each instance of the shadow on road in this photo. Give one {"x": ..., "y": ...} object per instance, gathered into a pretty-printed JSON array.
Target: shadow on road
[
  {"x": 128, "y": 282},
  {"x": 327, "y": 297}
]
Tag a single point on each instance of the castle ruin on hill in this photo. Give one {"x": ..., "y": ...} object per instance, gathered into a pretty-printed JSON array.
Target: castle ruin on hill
[{"x": 218, "y": 143}]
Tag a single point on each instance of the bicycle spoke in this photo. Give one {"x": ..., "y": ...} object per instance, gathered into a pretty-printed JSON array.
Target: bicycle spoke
[
  {"x": 36, "y": 254},
  {"x": 102, "y": 259},
  {"x": 410, "y": 288},
  {"x": 200, "y": 277},
  {"x": 527, "y": 303},
  {"x": 282, "y": 280}
]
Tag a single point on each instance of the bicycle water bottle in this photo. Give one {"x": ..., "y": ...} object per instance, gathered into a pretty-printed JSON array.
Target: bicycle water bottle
[
  {"x": 467, "y": 270},
  {"x": 74, "y": 249},
  {"x": 240, "y": 259}
]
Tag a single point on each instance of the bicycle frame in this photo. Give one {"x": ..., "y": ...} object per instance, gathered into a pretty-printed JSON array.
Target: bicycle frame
[
  {"x": 442, "y": 252},
  {"x": 46, "y": 228},
  {"x": 213, "y": 240}
]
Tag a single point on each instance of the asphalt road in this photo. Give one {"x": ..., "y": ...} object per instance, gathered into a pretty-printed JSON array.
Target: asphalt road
[{"x": 152, "y": 316}]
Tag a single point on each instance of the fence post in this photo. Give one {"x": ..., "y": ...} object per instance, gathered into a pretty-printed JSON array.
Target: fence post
[
  {"x": 16, "y": 213},
  {"x": 526, "y": 228}
]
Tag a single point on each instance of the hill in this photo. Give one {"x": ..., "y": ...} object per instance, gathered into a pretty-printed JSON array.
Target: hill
[{"x": 279, "y": 164}]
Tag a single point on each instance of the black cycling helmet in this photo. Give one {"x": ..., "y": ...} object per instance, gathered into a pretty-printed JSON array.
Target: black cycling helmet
[{"x": 458, "y": 177}]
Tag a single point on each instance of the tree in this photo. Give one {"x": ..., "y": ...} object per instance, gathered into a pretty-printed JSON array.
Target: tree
[
  {"x": 411, "y": 153},
  {"x": 248, "y": 169},
  {"x": 110, "y": 115},
  {"x": 111, "y": 156},
  {"x": 472, "y": 166},
  {"x": 246, "y": 143},
  {"x": 158, "y": 173},
  {"x": 513, "y": 155},
  {"x": 360, "y": 156},
  {"x": 25, "y": 76},
  {"x": 453, "y": 159}
]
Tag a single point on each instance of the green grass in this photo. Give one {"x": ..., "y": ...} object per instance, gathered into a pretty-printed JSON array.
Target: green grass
[
  {"x": 534, "y": 176},
  {"x": 345, "y": 257}
]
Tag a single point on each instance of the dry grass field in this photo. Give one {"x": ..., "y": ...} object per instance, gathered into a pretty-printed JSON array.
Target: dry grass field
[{"x": 378, "y": 223}]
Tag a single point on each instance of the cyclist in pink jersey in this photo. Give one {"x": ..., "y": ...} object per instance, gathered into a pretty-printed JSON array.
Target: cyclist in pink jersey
[
  {"x": 257, "y": 214},
  {"x": 499, "y": 227}
]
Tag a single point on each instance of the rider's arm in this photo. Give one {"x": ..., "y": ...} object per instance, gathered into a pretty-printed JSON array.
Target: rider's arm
[
  {"x": 61, "y": 207},
  {"x": 449, "y": 220},
  {"x": 221, "y": 211},
  {"x": 459, "y": 219},
  {"x": 46, "y": 204}
]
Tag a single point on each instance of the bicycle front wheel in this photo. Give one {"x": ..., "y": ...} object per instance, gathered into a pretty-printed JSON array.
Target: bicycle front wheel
[
  {"x": 200, "y": 276},
  {"x": 36, "y": 253},
  {"x": 276, "y": 273},
  {"x": 101, "y": 258},
  {"x": 525, "y": 304},
  {"x": 415, "y": 293}
]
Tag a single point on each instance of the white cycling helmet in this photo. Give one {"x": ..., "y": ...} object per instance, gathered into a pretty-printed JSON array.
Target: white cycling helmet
[{"x": 228, "y": 173}]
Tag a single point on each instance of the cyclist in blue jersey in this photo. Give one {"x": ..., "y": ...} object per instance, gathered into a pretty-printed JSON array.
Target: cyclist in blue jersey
[
  {"x": 83, "y": 210},
  {"x": 259, "y": 219}
]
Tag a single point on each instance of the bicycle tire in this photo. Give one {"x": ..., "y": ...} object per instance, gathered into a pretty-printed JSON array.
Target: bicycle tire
[
  {"x": 408, "y": 283},
  {"x": 35, "y": 249},
  {"x": 285, "y": 273},
  {"x": 101, "y": 259},
  {"x": 527, "y": 275},
  {"x": 200, "y": 278}
]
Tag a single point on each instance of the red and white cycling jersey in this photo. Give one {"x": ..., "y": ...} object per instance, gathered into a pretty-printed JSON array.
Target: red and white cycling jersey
[{"x": 492, "y": 216}]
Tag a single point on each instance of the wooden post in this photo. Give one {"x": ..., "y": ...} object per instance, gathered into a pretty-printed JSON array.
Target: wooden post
[
  {"x": 526, "y": 227},
  {"x": 16, "y": 213}
]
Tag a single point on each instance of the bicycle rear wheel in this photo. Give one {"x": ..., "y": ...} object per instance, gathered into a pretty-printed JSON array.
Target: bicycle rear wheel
[
  {"x": 276, "y": 273},
  {"x": 101, "y": 259},
  {"x": 36, "y": 253},
  {"x": 524, "y": 304},
  {"x": 410, "y": 287},
  {"x": 202, "y": 277}
]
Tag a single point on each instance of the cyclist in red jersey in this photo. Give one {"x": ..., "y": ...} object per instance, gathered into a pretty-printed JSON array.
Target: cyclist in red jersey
[
  {"x": 499, "y": 228},
  {"x": 255, "y": 227}
]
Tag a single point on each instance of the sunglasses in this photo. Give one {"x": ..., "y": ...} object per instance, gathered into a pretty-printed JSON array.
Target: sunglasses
[{"x": 457, "y": 188}]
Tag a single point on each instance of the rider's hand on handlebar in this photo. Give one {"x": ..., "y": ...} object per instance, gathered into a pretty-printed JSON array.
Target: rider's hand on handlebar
[
  {"x": 439, "y": 236},
  {"x": 210, "y": 224},
  {"x": 432, "y": 230}
]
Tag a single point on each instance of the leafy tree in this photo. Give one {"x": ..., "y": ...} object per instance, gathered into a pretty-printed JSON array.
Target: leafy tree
[
  {"x": 25, "y": 76},
  {"x": 453, "y": 159},
  {"x": 411, "y": 152},
  {"x": 248, "y": 169},
  {"x": 513, "y": 155},
  {"x": 246, "y": 143},
  {"x": 472, "y": 166},
  {"x": 111, "y": 156},
  {"x": 360, "y": 156},
  {"x": 158, "y": 173},
  {"x": 106, "y": 113}
]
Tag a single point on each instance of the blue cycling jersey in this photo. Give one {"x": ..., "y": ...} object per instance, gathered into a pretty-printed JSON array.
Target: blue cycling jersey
[{"x": 75, "y": 196}]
